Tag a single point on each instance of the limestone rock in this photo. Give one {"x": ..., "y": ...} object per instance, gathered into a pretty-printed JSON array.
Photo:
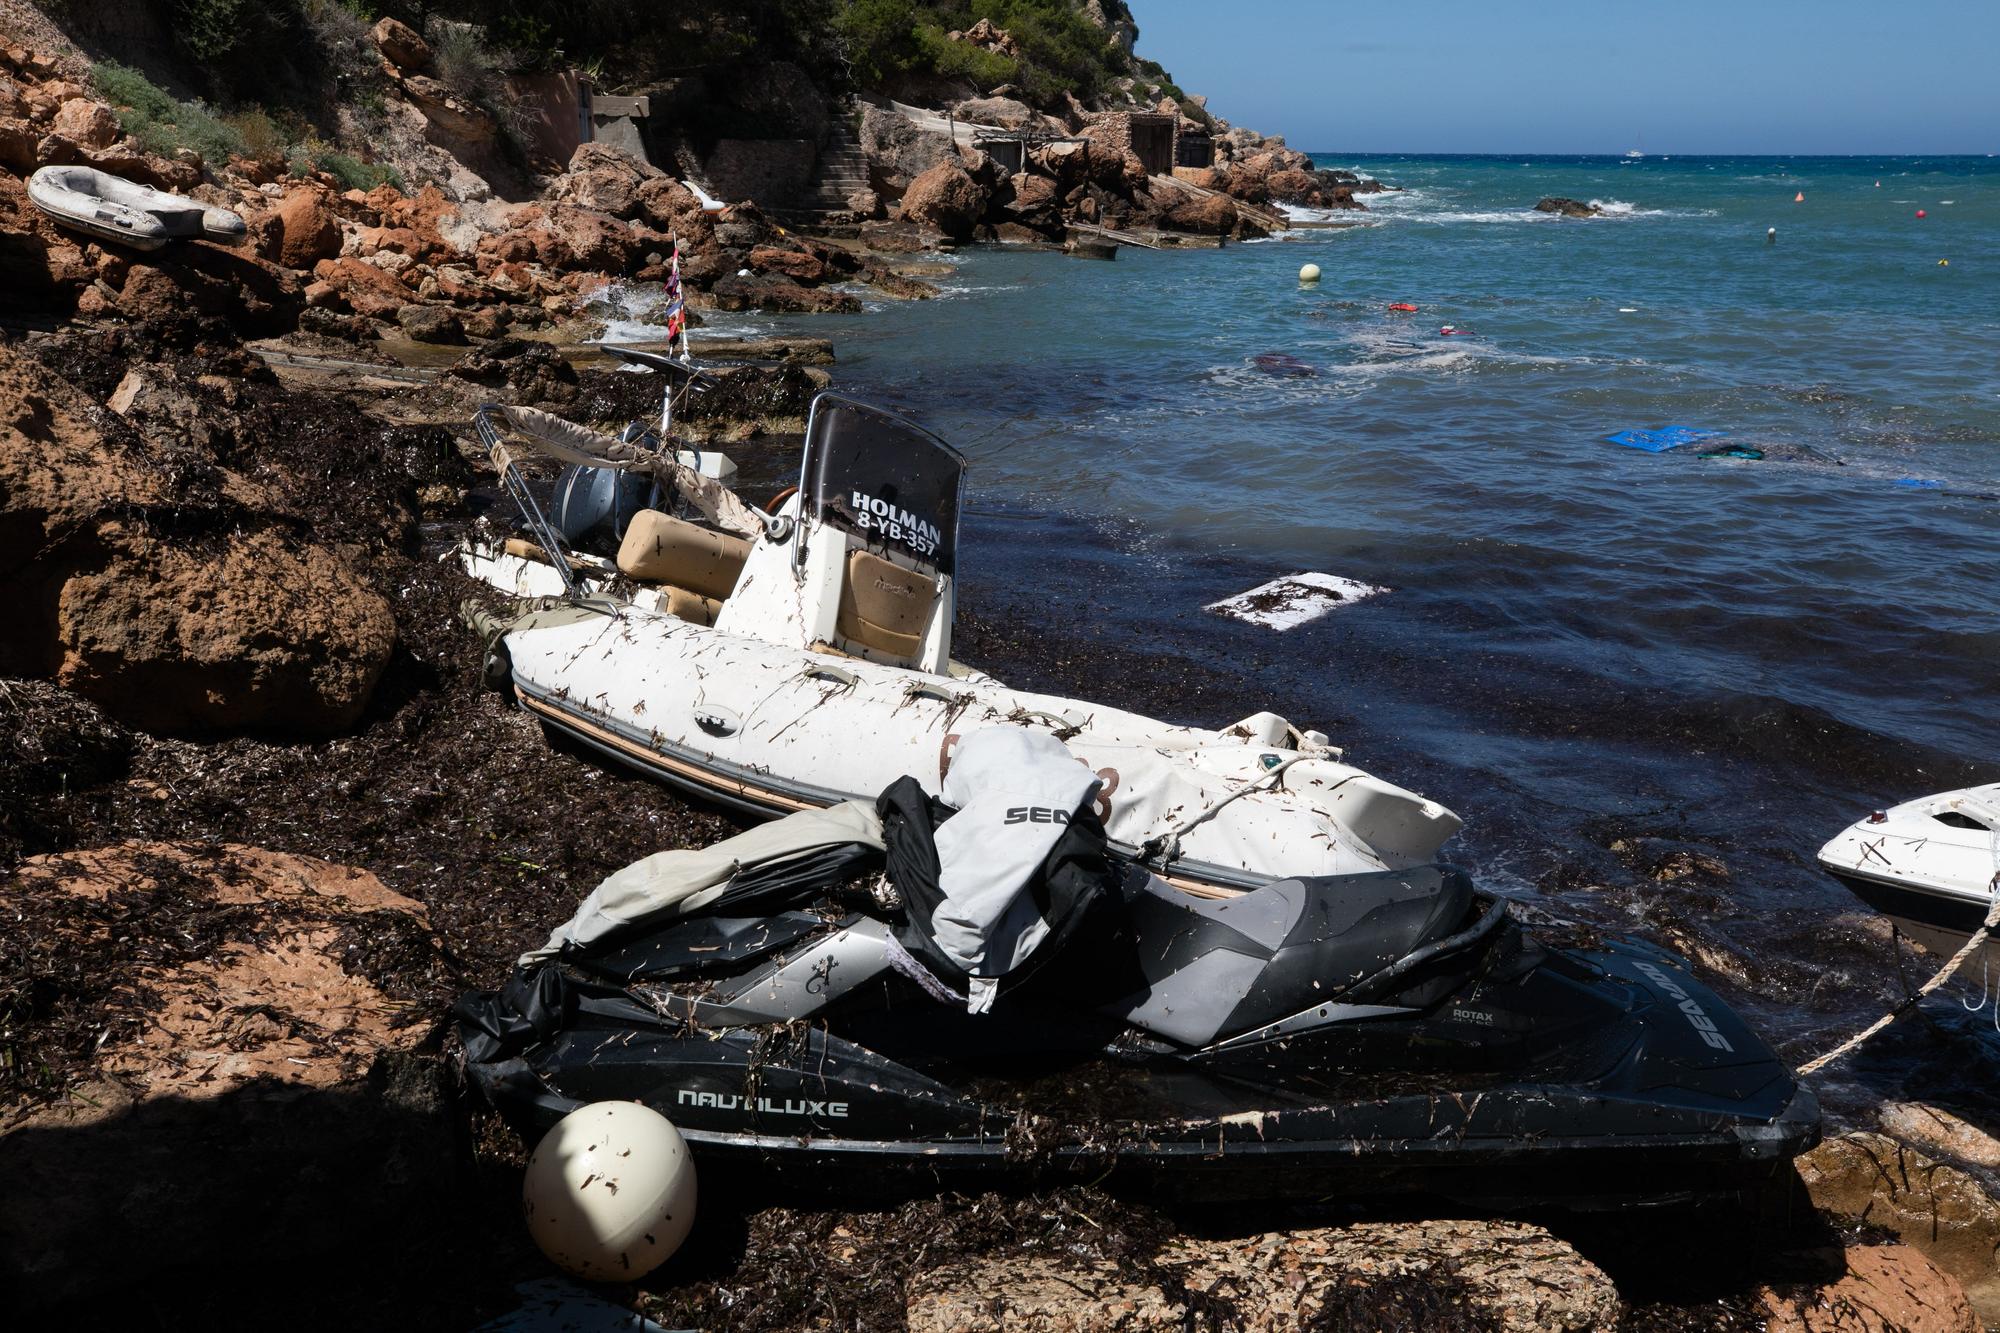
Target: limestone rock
[
  {"x": 897, "y": 150},
  {"x": 401, "y": 45},
  {"x": 1005, "y": 112},
  {"x": 604, "y": 178},
  {"x": 1886, "y": 1289},
  {"x": 946, "y": 199},
  {"x": 1942, "y": 1211}
]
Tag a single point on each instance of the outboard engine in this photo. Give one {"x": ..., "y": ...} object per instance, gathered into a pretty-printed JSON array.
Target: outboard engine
[{"x": 591, "y": 506}]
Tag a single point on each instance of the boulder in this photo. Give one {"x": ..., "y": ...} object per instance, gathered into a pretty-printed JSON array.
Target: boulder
[
  {"x": 401, "y": 45},
  {"x": 86, "y": 123},
  {"x": 605, "y": 179},
  {"x": 945, "y": 199},
  {"x": 1886, "y": 1289},
  {"x": 1939, "y": 1209},
  {"x": 1569, "y": 208},
  {"x": 1504, "y": 1275},
  {"x": 252, "y": 631},
  {"x": 365, "y": 289},
  {"x": 309, "y": 231},
  {"x": 897, "y": 150},
  {"x": 1004, "y": 112},
  {"x": 1204, "y": 215},
  {"x": 797, "y": 265},
  {"x": 579, "y": 239},
  {"x": 430, "y": 324},
  {"x": 17, "y": 145},
  {"x": 252, "y": 1030}
]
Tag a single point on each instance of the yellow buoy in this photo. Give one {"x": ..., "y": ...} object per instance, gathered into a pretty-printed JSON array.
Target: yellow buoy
[
  {"x": 1309, "y": 273},
  {"x": 1944, "y": 263}
]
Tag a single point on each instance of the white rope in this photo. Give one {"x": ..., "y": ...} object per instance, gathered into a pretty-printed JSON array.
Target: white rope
[{"x": 1944, "y": 974}]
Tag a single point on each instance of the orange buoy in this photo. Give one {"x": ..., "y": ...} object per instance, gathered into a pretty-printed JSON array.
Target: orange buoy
[
  {"x": 1799, "y": 198},
  {"x": 1401, "y": 305}
]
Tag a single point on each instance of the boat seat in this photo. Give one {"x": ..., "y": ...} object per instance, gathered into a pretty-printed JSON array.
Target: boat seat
[
  {"x": 659, "y": 548},
  {"x": 692, "y": 606},
  {"x": 884, "y": 607}
]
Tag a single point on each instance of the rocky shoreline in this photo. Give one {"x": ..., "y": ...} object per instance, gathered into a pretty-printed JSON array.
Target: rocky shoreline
[{"x": 260, "y": 820}]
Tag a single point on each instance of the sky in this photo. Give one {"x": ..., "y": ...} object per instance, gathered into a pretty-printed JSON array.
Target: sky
[{"x": 1558, "y": 76}]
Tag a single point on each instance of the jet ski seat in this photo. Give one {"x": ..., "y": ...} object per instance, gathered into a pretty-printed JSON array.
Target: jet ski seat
[
  {"x": 1229, "y": 966},
  {"x": 699, "y": 565}
]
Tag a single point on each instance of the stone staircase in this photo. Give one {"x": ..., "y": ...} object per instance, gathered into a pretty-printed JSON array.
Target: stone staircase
[{"x": 841, "y": 170}]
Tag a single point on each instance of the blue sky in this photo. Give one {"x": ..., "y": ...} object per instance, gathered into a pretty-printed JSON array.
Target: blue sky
[{"x": 1687, "y": 76}]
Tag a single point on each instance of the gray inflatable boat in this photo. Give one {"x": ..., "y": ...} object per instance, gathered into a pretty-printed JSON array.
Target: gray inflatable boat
[{"x": 111, "y": 208}]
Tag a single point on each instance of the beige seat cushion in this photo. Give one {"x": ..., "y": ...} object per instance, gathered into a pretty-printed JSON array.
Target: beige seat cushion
[
  {"x": 660, "y": 548},
  {"x": 883, "y": 606},
  {"x": 692, "y": 607}
]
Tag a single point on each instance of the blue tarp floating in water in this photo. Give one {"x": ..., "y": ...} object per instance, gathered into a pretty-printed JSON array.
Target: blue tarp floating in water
[{"x": 1663, "y": 439}]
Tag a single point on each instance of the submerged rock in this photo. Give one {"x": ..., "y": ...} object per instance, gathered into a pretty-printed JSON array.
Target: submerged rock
[{"x": 1569, "y": 208}]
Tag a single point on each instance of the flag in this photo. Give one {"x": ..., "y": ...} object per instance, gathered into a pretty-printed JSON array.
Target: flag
[{"x": 676, "y": 305}]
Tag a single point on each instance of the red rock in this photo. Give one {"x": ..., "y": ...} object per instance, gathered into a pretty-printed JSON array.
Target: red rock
[
  {"x": 308, "y": 229},
  {"x": 56, "y": 150},
  {"x": 794, "y": 264},
  {"x": 87, "y": 123},
  {"x": 1886, "y": 1289},
  {"x": 582, "y": 238},
  {"x": 366, "y": 289},
  {"x": 17, "y": 146},
  {"x": 401, "y": 45},
  {"x": 320, "y": 294},
  {"x": 396, "y": 240},
  {"x": 946, "y": 199},
  {"x": 1205, "y": 215},
  {"x": 734, "y": 292}
]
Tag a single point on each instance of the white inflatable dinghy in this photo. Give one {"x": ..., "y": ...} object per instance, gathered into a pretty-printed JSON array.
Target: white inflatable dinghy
[
  {"x": 778, "y": 661},
  {"x": 111, "y": 208}
]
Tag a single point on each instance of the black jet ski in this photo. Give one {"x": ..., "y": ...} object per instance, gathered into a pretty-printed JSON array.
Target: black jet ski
[{"x": 797, "y": 997}]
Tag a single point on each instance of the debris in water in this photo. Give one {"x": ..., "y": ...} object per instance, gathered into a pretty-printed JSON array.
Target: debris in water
[{"x": 1292, "y": 601}]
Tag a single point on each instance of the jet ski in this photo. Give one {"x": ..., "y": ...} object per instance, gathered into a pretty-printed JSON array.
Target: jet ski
[
  {"x": 798, "y": 654},
  {"x": 1932, "y": 865},
  {"x": 927, "y": 991}
]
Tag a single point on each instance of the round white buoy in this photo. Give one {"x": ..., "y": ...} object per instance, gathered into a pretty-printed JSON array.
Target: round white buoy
[
  {"x": 1309, "y": 273},
  {"x": 609, "y": 1194}
]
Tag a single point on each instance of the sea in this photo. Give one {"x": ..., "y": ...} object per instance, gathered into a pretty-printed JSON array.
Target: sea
[{"x": 1652, "y": 684}]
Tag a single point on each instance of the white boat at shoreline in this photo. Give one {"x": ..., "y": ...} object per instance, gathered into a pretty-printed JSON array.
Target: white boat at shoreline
[
  {"x": 1932, "y": 865},
  {"x": 799, "y": 655}
]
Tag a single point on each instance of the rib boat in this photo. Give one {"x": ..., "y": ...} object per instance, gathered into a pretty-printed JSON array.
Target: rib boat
[{"x": 795, "y": 655}]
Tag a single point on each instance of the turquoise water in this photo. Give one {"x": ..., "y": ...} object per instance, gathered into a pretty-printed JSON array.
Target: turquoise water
[{"x": 1585, "y": 643}]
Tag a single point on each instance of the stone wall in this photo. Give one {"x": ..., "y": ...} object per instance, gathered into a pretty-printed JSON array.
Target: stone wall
[{"x": 773, "y": 172}]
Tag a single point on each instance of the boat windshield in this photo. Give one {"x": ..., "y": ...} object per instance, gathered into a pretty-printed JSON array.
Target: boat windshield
[{"x": 889, "y": 482}]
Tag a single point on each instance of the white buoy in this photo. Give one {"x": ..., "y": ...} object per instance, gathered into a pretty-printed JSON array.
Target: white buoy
[
  {"x": 1770, "y": 235},
  {"x": 1309, "y": 273},
  {"x": 610, "y": 1192}
]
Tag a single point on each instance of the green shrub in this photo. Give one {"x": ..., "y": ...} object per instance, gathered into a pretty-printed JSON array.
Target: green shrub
[
  {"x": 352, "y": 173},
  {"x": 978, "y": 66},
  {"x": 158, "y": 120}
]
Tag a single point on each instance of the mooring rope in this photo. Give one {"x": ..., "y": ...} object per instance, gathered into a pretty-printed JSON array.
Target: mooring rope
[{"x": 1911, "y": 1000}]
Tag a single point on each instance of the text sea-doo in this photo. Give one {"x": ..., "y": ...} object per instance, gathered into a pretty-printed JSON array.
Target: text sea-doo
[
  {"x": 793, "y": 659},
  {"x": 1007, "y": 999},
  {"x": 1931, "y": 865}
]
